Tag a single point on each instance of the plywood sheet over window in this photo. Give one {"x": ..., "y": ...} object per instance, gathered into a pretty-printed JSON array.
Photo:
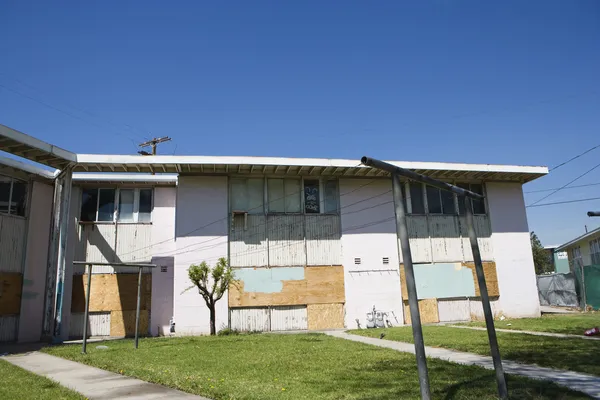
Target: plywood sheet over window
[
  {"x": 111, "y": 292},
  {"x": 428, "y": 309},
  {"x": 325, "y": 316},
  {"x": 287, "y": 286},
  {"x": 491, "y": 278},
  {"x": 122, "y": 323},
  {"x": 11, "y": 286},
  {"x": 450, "y": 280}
]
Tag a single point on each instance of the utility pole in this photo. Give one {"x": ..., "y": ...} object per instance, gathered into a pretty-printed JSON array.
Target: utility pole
[
  {"x": 153, "y": 142},
  {"x": 593, "y": 213}
]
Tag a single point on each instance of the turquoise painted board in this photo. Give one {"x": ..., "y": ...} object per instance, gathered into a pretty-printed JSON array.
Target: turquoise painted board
[
  {"x": 443, "y": 281},
  {"x": 268, "y": 280}
]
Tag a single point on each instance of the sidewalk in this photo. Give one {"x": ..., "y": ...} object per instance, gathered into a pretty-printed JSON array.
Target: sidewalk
[
  {"x": 535, "y": 333},
  {"x": 587, "y": 384},
  {"x": 94, "y": 383}
]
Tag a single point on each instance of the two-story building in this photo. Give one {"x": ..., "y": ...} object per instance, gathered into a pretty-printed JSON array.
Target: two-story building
[{"x": 312, "y": 242}]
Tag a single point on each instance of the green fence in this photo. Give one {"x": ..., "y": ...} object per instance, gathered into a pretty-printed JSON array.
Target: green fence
[{"x": 591, "y": 284}]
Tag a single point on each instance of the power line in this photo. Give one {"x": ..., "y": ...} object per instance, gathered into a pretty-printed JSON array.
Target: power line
[
  {"x": 564, "y": 186},
  {"x": 570, "y": 187},
  {"x": 564, "y": 202},
  {"x": 65, "y": 112},
  {"x": 574, "y": 158},
  {"x": 141, "y": 134}
]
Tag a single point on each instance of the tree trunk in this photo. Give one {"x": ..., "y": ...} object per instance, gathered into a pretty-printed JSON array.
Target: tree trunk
[{"x": 213, "y": 319}]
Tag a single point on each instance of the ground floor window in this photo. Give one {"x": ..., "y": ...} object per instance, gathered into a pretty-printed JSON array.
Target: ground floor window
[{"x": 13, "y": 196}]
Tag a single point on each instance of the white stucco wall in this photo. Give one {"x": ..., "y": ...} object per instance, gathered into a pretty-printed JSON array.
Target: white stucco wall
[
  {"x": 512, "y": 250},
  {"x": 34, "y": 272},
  {"x": 201, "y": 235},
  {"x": 371, "y": 283},
  {"x": 163, "y": 249}
]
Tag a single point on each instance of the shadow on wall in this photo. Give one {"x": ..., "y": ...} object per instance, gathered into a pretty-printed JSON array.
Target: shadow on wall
[{"x": 113, "y": 292}]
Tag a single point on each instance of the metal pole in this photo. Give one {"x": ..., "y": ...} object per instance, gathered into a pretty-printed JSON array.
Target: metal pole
[
  {"x": 62, "y": 251},
  {"x": 593, "y": 213},
  {"x": 137, "y": 309},
  {"x": 87, "y": 307},
  {"x": 583, "y": 284},
  {"x": 485, "y": 302},
  {"x": 394, "y": 170},
  {"x": 413, "y": 303}
]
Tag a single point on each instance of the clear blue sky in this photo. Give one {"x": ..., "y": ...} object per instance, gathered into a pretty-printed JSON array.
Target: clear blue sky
[{"x": 508, "y": 82}]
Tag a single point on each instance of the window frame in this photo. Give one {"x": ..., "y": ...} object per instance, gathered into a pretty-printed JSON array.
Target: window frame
[
  {"x": 116, "y": 205},
  {"x": 10, "y": 199},
  {"x": 456, "y": 206},
  {"x": 595, "y": 251}
]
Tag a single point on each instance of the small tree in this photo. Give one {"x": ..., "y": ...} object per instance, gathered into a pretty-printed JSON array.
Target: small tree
[
  {"x": 541, "y": 257},
  {"x": 212, "y": 283}
]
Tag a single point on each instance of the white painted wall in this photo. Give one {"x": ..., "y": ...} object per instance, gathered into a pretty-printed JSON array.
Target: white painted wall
[
  {"x": 162, "y": 250},
  {"x": 371, "y": 283},
  {"x": 512, "y": 250},
  {"x": 201, "y": 234},
  {"x": 36, "y": 258}
]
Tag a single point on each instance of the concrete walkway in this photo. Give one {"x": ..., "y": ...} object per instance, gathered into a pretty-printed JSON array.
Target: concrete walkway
[
  {"x": 94, "y": 383},
  {"x": 587, "y": 384},
  {"x": 535, "y": 333}
]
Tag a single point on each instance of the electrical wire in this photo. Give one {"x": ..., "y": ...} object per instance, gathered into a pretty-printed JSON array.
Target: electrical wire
[
  {"x": 564, "y": 202},
  {"x": 564, "y": 186},
  {"x": 570, "y": 187},
  {"x": 574, "y": 158}
]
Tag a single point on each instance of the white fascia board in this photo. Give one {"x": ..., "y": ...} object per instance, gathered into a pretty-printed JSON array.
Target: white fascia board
[
  {"x": 577, "y": 240},
  {"x": 28, "y": 168},
  {"x": 306, "y": 162},
  {"x": 113, "y": 177},
  {"x": 36, "y": 143}
]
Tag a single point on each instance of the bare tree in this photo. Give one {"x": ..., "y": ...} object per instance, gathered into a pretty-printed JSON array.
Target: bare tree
[{"x": 212, "y": 283}]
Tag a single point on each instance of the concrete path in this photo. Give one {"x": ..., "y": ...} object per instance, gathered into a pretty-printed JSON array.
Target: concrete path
[
  {"x": 535, "y": 333},
  {"x": 558, "y": 310},
  {"x": 587, "y": 384},
  {"x": 94, "y": 383}
]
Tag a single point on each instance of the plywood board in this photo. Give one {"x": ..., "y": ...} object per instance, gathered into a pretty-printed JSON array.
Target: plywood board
[
  {"x": 122, "y": 323},
  {"x": 11, "y": 286},
  {"x": 320, "y": 285},
  {"x": 428, "y": 309},
  {"x": 325, "y": 316},
  {"x": 111, "y": 292},
  {"x": 491, "y": 278}
]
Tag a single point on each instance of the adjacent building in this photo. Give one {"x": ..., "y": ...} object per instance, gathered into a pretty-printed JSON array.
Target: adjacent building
[{"x": 312, "y": 241}]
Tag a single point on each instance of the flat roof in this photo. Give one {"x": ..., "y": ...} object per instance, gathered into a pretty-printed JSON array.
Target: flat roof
[
  {"x": 578, "y": 239},
  {"x": 19, "y": 169},
  {"x": 20, "y": 144}
]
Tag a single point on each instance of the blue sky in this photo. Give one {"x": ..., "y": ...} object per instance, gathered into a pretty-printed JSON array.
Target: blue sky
[{"x": 507, "y": 82}]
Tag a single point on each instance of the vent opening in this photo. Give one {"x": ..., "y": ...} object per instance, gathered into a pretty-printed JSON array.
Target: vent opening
[
  {"x": 163, "y": 268},
  {"x": 357, "y": 261},
  {"x": 386, "y": 260}
]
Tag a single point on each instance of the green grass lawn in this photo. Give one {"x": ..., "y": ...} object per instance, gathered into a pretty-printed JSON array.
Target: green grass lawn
[
  {"x": 571, "y": 354},
  {"x": 574, "y": 324},
  {"x": 303, "y": 366},
  {"x": 16, "y": 383}
]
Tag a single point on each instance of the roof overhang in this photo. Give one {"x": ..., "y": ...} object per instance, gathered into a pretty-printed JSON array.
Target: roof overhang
[
  {"x": 20, "y": 170},
  {"x": 583, "y": 237},
  {"x": 119, "y": 179},
  {"x": 28, "y": 147},
  {"x": 297, "y": 167}
]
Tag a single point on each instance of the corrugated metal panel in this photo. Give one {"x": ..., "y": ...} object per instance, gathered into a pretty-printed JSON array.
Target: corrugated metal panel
[
  {"x": 323, "y": 244},
  {"x": 99, "y": 242},
  {"x": 98, "y": 324},
  {"x": 286, "y": 240},
  {"x": 418, "y": 233},
  {"x": 484, "y": 239},
  {"x": 134, "y": 242},
  {"x": 454, "y": 310},
  {"x": 8, "y": 328},
  {"x": 476, "y": 309},
  {"x": 12, "y": 241},
  {"x": 250, "y": 319},
  {"x": 289, "y": 318},
  {"x": 248, "y": 247},
  {"x": 445, "y": 238}
]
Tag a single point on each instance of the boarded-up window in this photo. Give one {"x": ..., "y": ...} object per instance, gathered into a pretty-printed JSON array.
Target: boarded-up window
[
  {"x": 331, "y": 196},
  {"x": 312, "y": 202},
  {"x": 276, "y": 195}
]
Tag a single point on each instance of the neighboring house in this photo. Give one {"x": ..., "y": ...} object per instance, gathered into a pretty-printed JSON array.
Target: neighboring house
[
  {"x": 559, "y": 259},
  {"x": 583, "y": 250},
  {"x": 313, "y": 241}
]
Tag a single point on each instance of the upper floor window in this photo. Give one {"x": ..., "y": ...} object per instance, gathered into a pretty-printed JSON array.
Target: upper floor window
[
  {"x": 577, "y": 259},
  {"x": 13, "y": 196},
  {"x": 425, "y": 199},
  {"x": 284, "y": 195},
  {"x": 121, "y": 205},
  {"x": 595, "y": 251}
]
